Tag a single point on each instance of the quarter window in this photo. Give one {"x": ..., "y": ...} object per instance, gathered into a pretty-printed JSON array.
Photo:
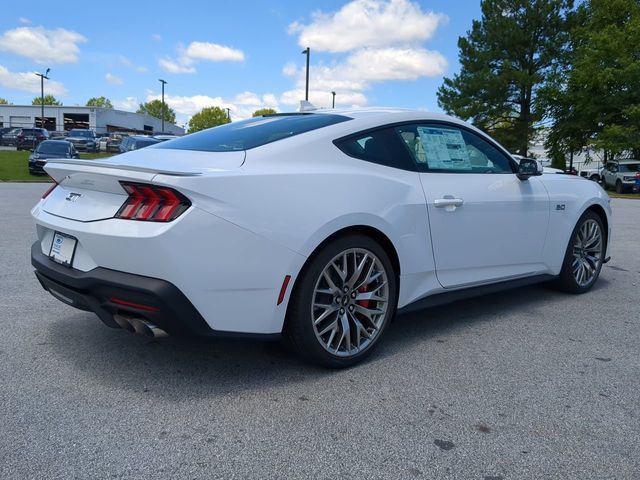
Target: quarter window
[
  {"x": 444, "y": 148},
  {"x": 377, "y": 146}
]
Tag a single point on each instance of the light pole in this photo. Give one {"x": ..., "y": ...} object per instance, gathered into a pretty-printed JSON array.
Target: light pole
[
  {"x": 42, "y": 77},
  {"x": 333, "y": 103},
  {"x": 228, "y": 114},
  {"x": 307, "y": 51},
  {"x": 163, "y": 106}
]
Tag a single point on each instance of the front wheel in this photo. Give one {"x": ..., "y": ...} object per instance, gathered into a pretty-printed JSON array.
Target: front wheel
[
  {"x": 584, "y": 255},
  {"x": 342, "y": 302}
]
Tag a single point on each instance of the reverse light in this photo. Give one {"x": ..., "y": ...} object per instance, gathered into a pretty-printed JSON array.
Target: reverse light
[{"x": 152, "y": 203}]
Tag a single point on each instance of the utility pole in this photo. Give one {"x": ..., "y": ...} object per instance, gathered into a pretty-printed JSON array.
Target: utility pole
[
  {"x": 307, "y": 51},
  {"x": 333, "y": 104},
  {"x": 163, "y": 105},
  {"x": 42, "y": 77}
]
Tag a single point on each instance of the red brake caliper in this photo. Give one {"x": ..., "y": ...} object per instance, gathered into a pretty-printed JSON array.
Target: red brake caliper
[{"x": 363, "y": 303}]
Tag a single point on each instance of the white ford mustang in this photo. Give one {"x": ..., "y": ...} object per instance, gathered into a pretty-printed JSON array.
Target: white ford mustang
[{"x": 314, "y": 226}]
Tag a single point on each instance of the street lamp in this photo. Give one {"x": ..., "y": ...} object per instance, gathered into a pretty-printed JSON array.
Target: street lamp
[
  {"x": 163, "y": 106},
  {"x": 307, "y": 51},
  {"x": 42, "y": 77},
  {"x": 333, "y": 104}
]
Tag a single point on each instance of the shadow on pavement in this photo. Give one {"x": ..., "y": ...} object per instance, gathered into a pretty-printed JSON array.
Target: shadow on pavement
[{"x": 178, "y": 368}]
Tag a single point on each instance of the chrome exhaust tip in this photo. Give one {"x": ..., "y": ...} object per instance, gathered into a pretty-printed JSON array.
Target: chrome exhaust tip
[{"x": 140, "y": 326}]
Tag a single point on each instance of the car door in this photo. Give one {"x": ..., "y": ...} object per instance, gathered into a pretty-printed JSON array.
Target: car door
[{"x": 486, "y": 225}]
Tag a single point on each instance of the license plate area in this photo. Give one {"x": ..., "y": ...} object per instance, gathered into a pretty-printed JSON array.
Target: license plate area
[{"x": 63, "y": 248}]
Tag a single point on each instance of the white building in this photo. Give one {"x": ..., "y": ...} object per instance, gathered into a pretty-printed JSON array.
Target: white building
[{"x": 102, "y": 120}]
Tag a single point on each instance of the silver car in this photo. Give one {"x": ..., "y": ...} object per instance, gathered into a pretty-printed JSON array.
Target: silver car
[{"x": 620, "y": 174}]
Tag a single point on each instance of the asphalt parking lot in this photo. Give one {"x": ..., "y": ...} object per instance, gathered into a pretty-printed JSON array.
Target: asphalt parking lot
[{"x": 529, "y": 384}]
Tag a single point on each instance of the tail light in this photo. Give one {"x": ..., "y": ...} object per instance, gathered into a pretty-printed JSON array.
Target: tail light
[
  {"x": 152, "y": 203},
  {"x": 50, "y": 189},
  {"x": 638, "y": 176}
]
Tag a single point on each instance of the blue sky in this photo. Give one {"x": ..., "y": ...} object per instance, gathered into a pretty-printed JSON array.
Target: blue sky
[{"x": 241, "y": 55}]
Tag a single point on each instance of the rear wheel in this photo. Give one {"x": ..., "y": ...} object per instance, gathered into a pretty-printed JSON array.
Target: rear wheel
[
  {"x": 342, "y": 302},
  {"x": 584, "y": 255},
  {"x": 619, "y": 187}
]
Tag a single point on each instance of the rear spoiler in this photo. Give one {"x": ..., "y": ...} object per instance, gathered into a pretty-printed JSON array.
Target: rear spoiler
[{"x": 115, "y": 166}]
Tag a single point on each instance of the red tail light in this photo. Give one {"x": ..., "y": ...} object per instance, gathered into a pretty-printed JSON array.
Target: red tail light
[
  {"x": 50, "y": 189},
  {"x": 152, "y": 203},
  {"x": 638, "y": 176}
]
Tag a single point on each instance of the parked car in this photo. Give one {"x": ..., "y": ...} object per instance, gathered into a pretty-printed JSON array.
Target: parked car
[
  {"x": 136, "y": 142},
  {"x": 593, "y": 174},
  {"x": 115, "y": 139},
  {"x": 47, "y": 150},
  {"x": 57, "y": 135},
  {"x": 3, "y": 132},
  {"x": 102, "y": 143},
  {"x": 84, "y": 140},
  {"x": 29, "y": 138},
  {"x": 620, "y": 174},
  {"x": 314, "y": 226}
]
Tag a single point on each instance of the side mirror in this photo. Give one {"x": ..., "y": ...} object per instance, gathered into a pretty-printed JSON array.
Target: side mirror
[{"x": 529, "y": 168}]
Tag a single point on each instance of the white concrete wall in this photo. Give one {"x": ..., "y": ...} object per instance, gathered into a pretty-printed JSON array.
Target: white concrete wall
[{"x": 99, "y": 118}]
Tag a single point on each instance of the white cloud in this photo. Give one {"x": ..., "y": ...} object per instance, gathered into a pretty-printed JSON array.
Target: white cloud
[
  {"x": 156, "y": 37},
  {"x": 241, "y": 105},
  {"x": 171, "y": 66},
  {"x": 129, "y": 103},
  {"x": 128, "y": 63},
  {"x": 368, "y": 23},
  {"x": 112, "y": 79},
  {"x": 199, "y": 51},
  {"x": 213, "y": 52},
  {"x": 41, "y": 45},
  {"x": 24, "y": 21},
  {"x": 364, "y": 67},
  {"x": 29, "y": 82},
  {"x": 289, "y": 69}
]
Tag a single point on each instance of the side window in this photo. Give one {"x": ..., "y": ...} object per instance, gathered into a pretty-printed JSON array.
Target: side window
[
  {"x": 378, "y": 146},
  {"x": 444, "y": 148}
]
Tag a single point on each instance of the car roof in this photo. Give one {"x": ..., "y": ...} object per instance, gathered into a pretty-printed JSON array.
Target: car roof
[
  {"x": 626, "y": 161},
  {"x": 55, "y": 141}
]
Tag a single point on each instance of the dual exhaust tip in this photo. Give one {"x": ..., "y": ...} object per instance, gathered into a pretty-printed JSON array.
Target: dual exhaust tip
[{"x": 139, "y": 326}]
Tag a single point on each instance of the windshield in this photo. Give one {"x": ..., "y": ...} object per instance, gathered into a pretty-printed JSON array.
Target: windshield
[
  {"x": 251, "y": 133},
  {"x": 53, "y": 148},
  {"x": 630, "y": 167},
  {"x": 80, "y": 133}
]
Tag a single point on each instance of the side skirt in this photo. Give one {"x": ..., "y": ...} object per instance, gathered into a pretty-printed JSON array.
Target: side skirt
[{"x": 446, "y": 297}]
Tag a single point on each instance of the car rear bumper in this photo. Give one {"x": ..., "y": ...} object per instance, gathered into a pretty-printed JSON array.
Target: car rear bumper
[{"x": 108, "y": 292}]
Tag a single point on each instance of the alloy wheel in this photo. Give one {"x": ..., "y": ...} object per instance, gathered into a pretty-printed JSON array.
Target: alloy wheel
[
  {"x": 350, "y": 302},
  {"x": 587, "y": 252}
]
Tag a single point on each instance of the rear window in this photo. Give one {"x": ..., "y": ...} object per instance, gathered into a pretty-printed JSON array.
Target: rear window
[
  {"x": 630, "y": 167},
  {"x": 252, "y": 133}
]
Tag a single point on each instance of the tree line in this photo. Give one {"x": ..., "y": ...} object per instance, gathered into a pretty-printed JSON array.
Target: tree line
[
  {"x": 208, "y": 117},
  {"x": 571, "y": 71}
]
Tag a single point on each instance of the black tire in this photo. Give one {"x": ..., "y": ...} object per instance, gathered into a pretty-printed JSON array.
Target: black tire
[
  {"x": 299, "y": 331},
  {"x": 619, "y": 187},
  {"x": 566, "y": 280}
]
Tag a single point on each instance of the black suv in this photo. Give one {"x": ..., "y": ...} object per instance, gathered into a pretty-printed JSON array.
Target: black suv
[{"x": 27, "y": 138}]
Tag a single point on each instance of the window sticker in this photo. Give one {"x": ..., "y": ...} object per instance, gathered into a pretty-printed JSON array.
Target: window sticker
[{"x": 444, "y": 149}]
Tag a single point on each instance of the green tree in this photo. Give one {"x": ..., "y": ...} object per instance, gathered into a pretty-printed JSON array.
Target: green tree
[
  {"x": 3, "y": 101},
  {"x": 596, "y": 101},
  {"x": 505, "y": 58},
  {"x": 208, "y": 117},
  {"x": 48, "y": 100},
  {"x": 264, "y": 111},
  {"x": 102, "y": 102},
  {"x": 155, "y": 108}
]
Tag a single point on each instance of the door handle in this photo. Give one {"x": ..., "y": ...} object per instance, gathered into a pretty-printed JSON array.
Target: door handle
[{"x": 448, "y": 202}]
